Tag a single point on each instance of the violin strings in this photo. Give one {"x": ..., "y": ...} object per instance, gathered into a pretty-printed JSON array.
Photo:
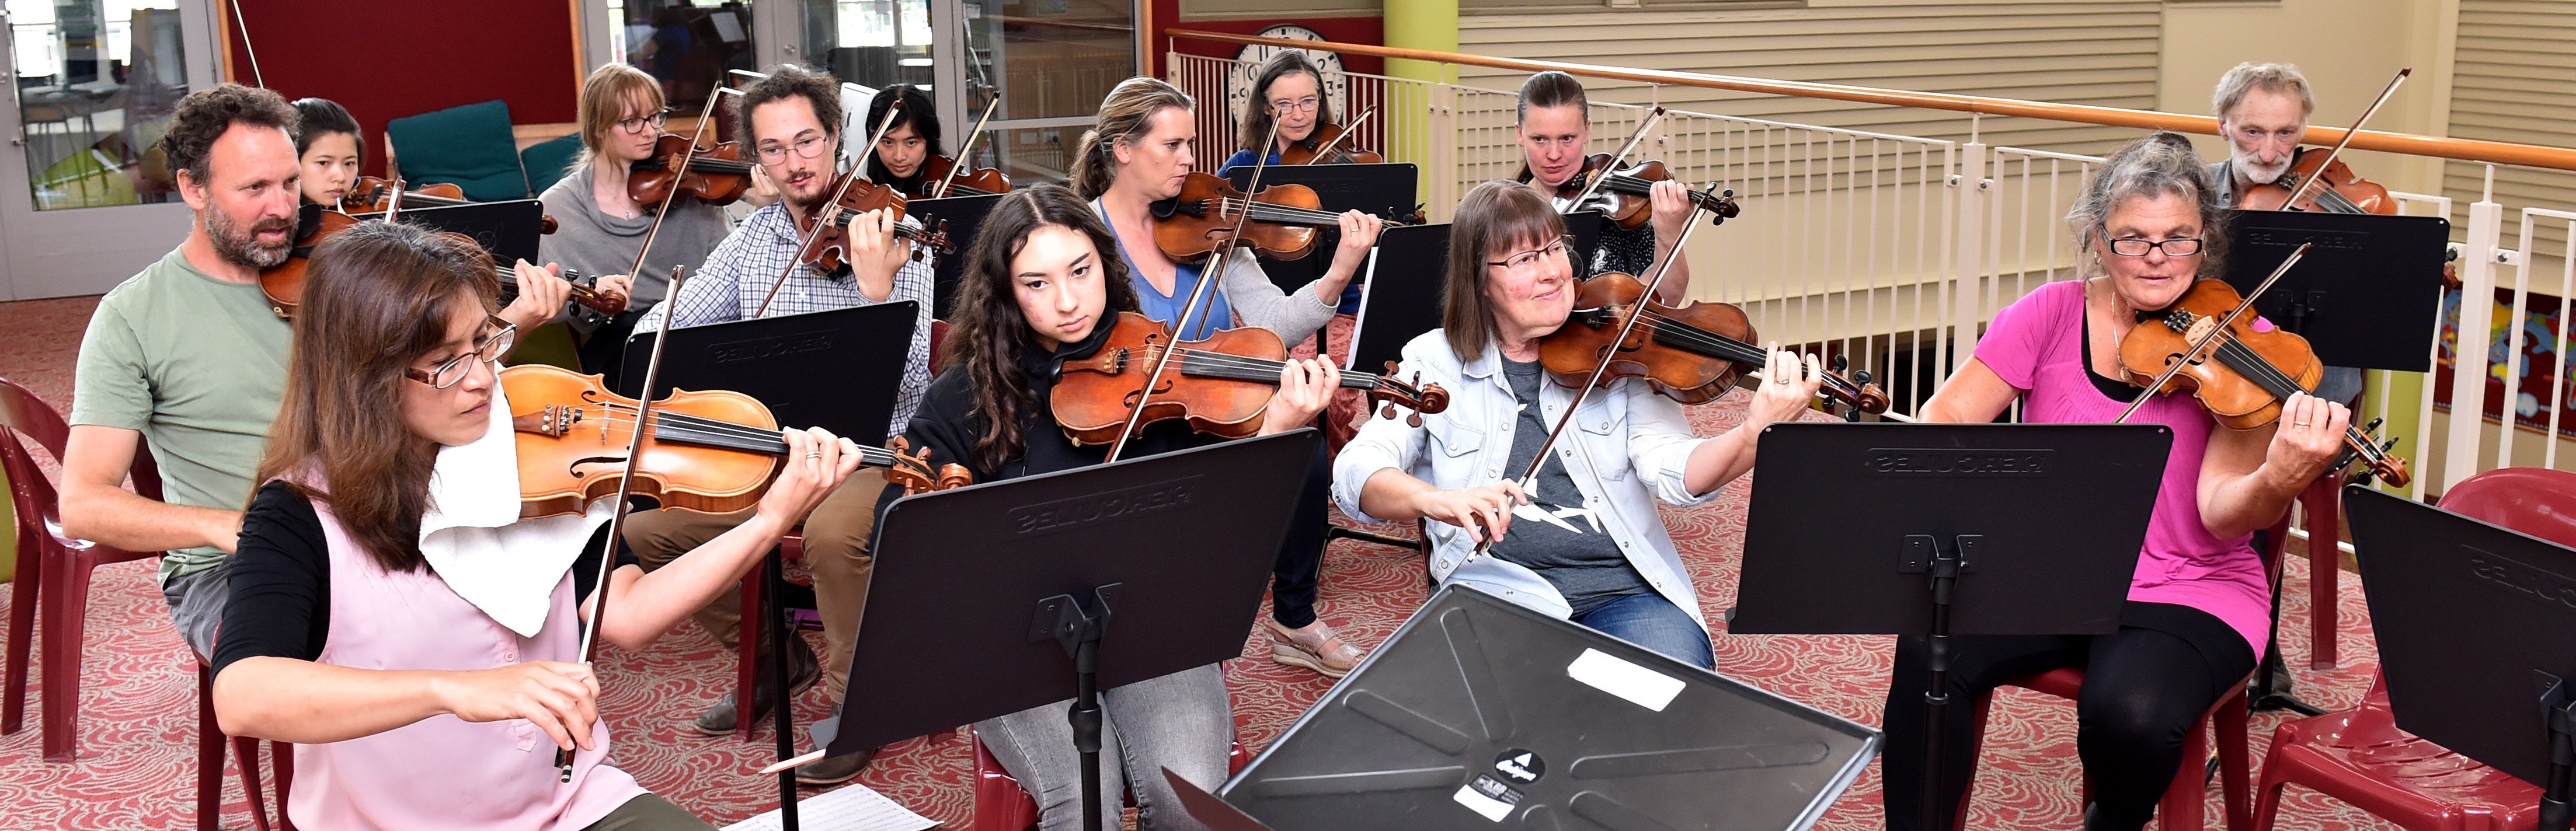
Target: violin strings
[
  {"x": 1211, "y": 359},
  {"x": 716, "y": 427},
  {"x": 1279, "y": 213},
  {"x": 1667, "y": 327},
  {"x": 2253, "y": 366}
]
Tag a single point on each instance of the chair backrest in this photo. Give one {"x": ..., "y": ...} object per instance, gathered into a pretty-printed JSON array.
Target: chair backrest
[
  {"x": 470, "y": 146},
  {"x": 548, "y": 161},
  {"x": 30, "y": 493},
  {"x": 2536, "y": 501}
]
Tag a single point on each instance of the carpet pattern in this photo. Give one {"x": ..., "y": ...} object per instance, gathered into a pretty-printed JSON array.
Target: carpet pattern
[{"x": 138, "y": 728}]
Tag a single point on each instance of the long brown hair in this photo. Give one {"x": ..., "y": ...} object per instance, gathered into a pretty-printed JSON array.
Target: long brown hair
[
  {"x": 1494, "y": 217},
  {"x": 1257, "y": 115},
  {"x": 377, "y": 297},
  {"x": 1126, "y": 114},
  {"x": 990, "y": 336}
]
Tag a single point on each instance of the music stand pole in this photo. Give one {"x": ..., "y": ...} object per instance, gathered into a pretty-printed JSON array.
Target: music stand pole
[
  {"x": 2560, "y": 714},
  {"x": 773, "y": 602},
  {"x": 1079, "y": 629}
]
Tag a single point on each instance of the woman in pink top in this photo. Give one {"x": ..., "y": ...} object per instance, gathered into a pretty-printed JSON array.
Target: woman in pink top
[
  {"x": 428, "y": 678},
  {"x": 2198, "y": 613}
]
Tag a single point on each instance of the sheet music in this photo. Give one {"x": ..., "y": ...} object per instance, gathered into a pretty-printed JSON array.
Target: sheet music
[{"x": 854, "y": 807}]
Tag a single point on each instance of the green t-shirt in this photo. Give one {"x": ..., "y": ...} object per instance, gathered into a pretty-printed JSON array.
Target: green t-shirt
[{"x": 198, "y": 365}]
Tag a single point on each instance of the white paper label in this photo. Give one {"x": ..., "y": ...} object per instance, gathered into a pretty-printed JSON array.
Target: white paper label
[
  {"x": 1491, "y": 808},
  {"x": 1616, "y": 676}
]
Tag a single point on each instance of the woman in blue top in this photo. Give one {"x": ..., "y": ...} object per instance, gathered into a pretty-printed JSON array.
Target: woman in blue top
[
  {"x": 1140, "y": 149},
  {"x": 1290, "y": 90}
]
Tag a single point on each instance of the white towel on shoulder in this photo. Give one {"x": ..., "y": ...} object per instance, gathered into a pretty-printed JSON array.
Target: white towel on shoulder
[{"x": 472, "y": 535}]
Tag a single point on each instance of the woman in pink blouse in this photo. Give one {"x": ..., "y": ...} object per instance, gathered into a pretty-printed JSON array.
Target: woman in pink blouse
[{"x": 2198, "y": 612}]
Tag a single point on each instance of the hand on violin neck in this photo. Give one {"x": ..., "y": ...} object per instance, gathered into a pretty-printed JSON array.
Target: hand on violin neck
[
  {"x": 816, "y": 463},
  {"x": 1359, "y": 234},
  {"x": 541, "y": 296},
  {"x": 1305, "y": 387},
  {"x": 2306, "y": 439},
  {"x": 875, "y": 254},
  {"x": 617, "y": 289},
  {"x": 1789, "y": 386},
  {"x": 1672, "y": 206}
]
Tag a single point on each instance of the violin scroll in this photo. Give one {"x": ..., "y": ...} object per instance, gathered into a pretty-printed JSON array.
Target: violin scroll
[
  {"x": 913, "y": 472},
  {"x": 1419, "y": 398}
]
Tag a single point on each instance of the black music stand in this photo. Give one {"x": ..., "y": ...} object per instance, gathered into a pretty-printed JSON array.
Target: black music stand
[
  {"x": 507, "y": 229},
  {"x": 2477, "y": 637},
  {"x": 776, "y": 360},
  {"x": 1585, "y": 227},
  {"x": 1481, "y": 713},
  {"x": 1402, "y": 295},
  {"x": 2367, "y": 295},
  {"x": 963, "y": 217},
  {"x": 1957, "y": 532},
  {"x": 1385, "y": 190},
  {"x": 1178, "y": 546}
]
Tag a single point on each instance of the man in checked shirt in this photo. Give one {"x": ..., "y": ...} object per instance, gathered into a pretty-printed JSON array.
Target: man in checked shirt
[{"x": 792, "y": 117}]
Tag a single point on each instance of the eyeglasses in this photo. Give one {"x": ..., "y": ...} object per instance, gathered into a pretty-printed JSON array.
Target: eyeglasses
[
  {"x": 1527, "y": 260},
  {"x": 490, "y": 350},
  {"x": 807, "y": 147},
  {"x": 638, "y": 123},
  {"x": 2135, "y": 247},
  {"x": 1303, "y": 105}
]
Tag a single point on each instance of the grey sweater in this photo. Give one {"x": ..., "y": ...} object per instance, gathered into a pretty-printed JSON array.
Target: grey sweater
[{"x": 600, "y": 244}]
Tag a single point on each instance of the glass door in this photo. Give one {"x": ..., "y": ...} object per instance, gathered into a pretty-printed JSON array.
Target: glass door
[
  {"x": 1051, "y": 61},
  {"x": 85, "y": 197}
]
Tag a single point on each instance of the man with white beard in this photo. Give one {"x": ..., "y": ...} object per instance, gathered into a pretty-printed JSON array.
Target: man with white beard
[{"x": 2262, "y": 111}]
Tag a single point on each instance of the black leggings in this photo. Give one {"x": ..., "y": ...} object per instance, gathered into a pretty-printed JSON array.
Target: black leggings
[
  {"x": 1301, "y": 554},
  {"x": 2144, "y": 688}
]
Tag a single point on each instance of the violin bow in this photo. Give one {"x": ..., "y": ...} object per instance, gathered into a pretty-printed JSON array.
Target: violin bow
[
  {"x": 831, "y": 208},
  {"x": 1627, "y": 328},
  {"x": 1336, "y": 143},
  {"x": 1603, "y": 175},
  {"x": 2176, "y": 364},
  {"x": 393, "y": 204},
  {"x": 704, "y": 116},
  {"x": 958, "y": 165},
  {"x": 617, "y": 520},
  {"x": 244, "y": 28},
  {"x": 2320, "y": 175},
  {"x": 1209, "y": 275}
]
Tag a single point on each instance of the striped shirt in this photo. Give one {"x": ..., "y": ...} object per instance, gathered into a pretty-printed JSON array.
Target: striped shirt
[{"x": 737, "y": 277}]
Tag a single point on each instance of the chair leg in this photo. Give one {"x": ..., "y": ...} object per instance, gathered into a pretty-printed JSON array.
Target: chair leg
[
  {"x": 210, "y": 755},
  {"x": 2325, "y": 568},
  {"x": 281, "y": 757},
  {"x": 66, "y": 601},
  {"x": 22, "y": 633},
  {"x": 246, "y": 752},
  {"x": 2181, "y": 808},
  {"x": 747, "y": 647},
  {"x": 2234, "y": 761}
]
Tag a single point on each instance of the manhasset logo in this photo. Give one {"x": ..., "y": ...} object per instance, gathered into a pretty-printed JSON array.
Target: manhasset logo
[
  {"x": 2531, "y": 582},
  {"x": 758, "y": 348},
  {"x": 1952, "y": 461},
  {"x": 1123, "y": 503}
]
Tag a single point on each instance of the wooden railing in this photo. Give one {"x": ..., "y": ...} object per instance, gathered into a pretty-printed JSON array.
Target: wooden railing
[{"x": 2408, "y": 143}]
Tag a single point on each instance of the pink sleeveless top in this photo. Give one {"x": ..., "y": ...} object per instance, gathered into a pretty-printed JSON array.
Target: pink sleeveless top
[
  {"x": 442, "y": 772},
  {"x": 2036, "y": 345}
]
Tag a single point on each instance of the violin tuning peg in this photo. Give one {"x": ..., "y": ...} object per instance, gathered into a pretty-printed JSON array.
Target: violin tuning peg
[
  {"x": 1387, "y": 411},
  {"x": 1841, "y": 362},
  {"x": 2373, "y": 427},
  {"x": 1414, "y": 420},
  {"x": 1861, "y": 378}
]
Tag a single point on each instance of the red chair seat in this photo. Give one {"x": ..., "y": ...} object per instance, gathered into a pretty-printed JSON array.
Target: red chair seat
[{"x": 1002, "y": 805}]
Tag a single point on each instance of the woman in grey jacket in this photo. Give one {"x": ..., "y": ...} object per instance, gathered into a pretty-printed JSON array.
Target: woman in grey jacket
[{"x": 598, "y": 229}]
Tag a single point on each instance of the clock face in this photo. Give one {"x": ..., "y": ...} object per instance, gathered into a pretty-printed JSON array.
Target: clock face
[{"x": 1238, "y": 84}]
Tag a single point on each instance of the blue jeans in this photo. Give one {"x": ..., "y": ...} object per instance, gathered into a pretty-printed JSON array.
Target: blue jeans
[
  {"x": 1650, "y": 621},
  {"x": 1181, "y": 721}
]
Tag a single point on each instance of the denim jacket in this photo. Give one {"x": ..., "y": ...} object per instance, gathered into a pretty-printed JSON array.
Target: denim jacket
[{"x": 1626, "y": 450}]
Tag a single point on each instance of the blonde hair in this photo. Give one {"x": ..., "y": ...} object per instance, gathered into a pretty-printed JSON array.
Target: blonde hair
[
  {"x": 604, "y": 96},
  {"x": 1127, "y": 114}
]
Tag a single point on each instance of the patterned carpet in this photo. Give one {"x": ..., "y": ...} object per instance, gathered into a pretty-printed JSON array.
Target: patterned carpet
[{"x": 138, "y": 729}]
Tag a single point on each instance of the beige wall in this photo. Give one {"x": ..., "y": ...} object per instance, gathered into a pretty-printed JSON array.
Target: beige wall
[{"x": 2360, "y": 44}]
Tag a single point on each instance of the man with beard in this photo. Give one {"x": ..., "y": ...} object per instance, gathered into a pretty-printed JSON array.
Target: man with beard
[
  {"x": 187, "y": 355},
  {"x": 2263, "y": 111},
  {"x": 792, "y": 120}
]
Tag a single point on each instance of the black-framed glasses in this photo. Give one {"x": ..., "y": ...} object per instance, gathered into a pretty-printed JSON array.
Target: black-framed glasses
[
  {"x": 1526, "y": 260},
  {"x": 2136, "y": 247},
  {"x": 638, "y": 123},
  {"x": 807, "y": 147},
  {"x": 490, "y": 349}
]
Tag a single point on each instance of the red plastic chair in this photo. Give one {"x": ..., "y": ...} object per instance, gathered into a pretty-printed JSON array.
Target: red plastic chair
[
  {"x": 2359, "y": 756},
  {"x": 55, "y": 570},
  {"x": 1002, "y": 805}
]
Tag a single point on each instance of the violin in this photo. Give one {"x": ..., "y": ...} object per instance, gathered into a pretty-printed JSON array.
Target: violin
[
  {"x": 1623, "y": 195},
  {"x": 1220, "y": 385},
  {"x": 372, "y": 195},
  {"x": 2252, "y": 374},
  {"x": 2338, "y": 189},
  {"x": 712, "y": 451},
  {"x": 971, "y": 181},
  {"x": 1282, "y": 226},
  {"x": 1326, "y": 146},
  {"x": 1691, "y": 354},
  {"x": 829, "y": 249},
  {"x": 714, "y": 175},
  {"x": 283, "y": 283}
]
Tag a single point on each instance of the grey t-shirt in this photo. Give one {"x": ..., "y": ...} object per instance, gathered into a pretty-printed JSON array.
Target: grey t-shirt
[
  {"x": 1555, "y": 535},
  {"x": 597, "y": 244}
]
